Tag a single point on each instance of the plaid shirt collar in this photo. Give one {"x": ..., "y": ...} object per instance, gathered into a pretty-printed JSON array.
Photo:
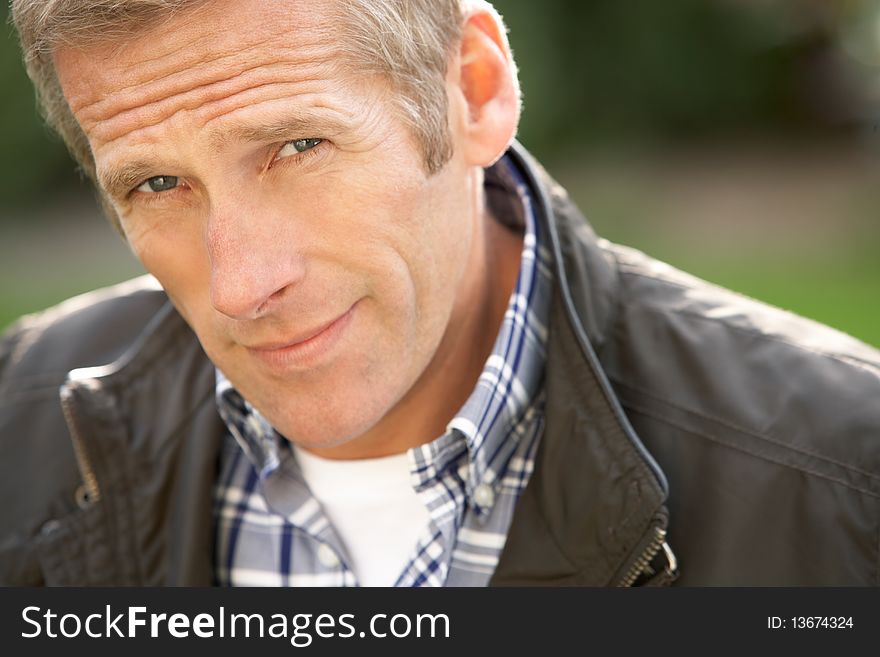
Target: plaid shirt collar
[{"x": 506, "y": 389}]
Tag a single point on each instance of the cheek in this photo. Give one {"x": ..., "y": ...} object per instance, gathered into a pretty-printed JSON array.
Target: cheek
[
  {"x": 434, "y": 239},
  {"x": 176, "y": 256},
  {"x": 415, "y": 238}
]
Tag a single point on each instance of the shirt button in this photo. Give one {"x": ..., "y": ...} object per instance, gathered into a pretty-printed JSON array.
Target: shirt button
[
  {"x": 327, "y": 556},
  {"x": 254, "y": 425},
  {"x": 484, "y": 496}
]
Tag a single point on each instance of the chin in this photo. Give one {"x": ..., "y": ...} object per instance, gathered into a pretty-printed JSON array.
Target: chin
[
  {"x": 333, "y": 407},
  {"x": 337, "y": 423}
]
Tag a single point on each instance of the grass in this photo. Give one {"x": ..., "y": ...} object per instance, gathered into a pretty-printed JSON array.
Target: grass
[{"x": 793, "y": 227}]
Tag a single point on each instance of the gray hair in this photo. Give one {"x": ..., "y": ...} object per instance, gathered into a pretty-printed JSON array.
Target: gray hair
[{"x": 409, "y": 42}]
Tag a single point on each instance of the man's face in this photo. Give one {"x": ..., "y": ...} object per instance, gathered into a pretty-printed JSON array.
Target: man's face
[{"x": 283, "y": 206}]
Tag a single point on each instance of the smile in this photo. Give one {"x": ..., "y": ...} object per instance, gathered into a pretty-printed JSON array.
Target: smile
[{"x": 306, "y": 351}]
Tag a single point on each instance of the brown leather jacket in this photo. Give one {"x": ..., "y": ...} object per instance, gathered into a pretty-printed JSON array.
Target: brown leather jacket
[{"x": 765, "y": 425}]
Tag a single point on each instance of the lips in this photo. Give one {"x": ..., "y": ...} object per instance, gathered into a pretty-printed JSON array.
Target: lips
[
  {"x": 305, "y": 336},
  {"x": 305, "y": 348}
]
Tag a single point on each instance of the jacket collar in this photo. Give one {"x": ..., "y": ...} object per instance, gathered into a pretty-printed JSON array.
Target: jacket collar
[
  {"x": 149, "y": 475},
  {"x": 594, "y": 507}
]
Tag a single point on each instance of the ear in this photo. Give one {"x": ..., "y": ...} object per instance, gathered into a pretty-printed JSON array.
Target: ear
[{"x": 486, "y": 79}]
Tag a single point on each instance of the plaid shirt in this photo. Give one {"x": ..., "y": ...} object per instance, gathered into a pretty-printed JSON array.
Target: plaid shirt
[{"x": 271, "y": 531}]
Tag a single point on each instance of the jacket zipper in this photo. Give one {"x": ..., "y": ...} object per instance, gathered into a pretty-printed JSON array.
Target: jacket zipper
[
  {"x": 658, "y": 541},
  {"x": 643, "y": 562},
  {"x": 586, "y": 346},
  {"x": 90, "y": 481}
]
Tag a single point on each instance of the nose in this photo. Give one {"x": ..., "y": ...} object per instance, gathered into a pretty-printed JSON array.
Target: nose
[{"x": 255, "y": 261}]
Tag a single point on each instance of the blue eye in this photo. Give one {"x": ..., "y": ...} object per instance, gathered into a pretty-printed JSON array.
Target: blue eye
[
  {"x": 158, "y": 184},
  {"x": 298, "y": 146}
]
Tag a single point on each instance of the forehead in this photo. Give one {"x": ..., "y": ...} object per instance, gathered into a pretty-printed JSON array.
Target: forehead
[{"x": 209, "y": 54}]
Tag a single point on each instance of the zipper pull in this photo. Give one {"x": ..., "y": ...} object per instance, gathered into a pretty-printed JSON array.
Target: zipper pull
[
  {"x": 88, "y": 493},
  {"x": 656, "y": 565}
]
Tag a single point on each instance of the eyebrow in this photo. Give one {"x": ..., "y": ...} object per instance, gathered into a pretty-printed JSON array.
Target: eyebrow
[
  {"x": 298, "y": 123},
  {"x": 118, "y": 181}
]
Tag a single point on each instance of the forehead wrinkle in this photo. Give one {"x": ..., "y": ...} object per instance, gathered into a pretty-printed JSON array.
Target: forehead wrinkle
[
  {"x": 176, "y": 73},
  {"x": 198, "y": 39},
  {"x": 193, "y": 76},
  {"x": 207, "y": 102}
]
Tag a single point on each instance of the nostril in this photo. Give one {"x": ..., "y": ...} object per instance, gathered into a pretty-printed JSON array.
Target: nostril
[
  {"x": 275, "y": 297},
  {"x": 249, "y": 293}
]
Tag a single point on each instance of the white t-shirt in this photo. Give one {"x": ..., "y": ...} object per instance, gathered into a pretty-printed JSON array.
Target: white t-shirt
[{"x": 374, "y": 509}]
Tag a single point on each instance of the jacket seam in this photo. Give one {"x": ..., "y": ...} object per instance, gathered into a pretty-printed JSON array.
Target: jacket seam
[
  {"x": 743, "y": 430},
  {"x": 854, "y": 361},
  {"x": 642, "y": 410},
  {"x": 618, "y": 296}
]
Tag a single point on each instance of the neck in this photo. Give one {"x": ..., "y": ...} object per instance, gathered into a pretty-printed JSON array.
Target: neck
[{"x": 424, "y": 412}]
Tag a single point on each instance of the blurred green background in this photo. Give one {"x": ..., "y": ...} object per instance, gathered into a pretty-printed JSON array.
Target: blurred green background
[{"x": 736, "y": 139}]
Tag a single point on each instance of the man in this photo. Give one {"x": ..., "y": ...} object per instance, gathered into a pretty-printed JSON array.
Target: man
[{"x": 382, "y": 347}]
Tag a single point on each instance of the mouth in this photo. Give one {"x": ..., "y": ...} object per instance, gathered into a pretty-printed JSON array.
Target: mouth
[{"x": 306, "y": 349}]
